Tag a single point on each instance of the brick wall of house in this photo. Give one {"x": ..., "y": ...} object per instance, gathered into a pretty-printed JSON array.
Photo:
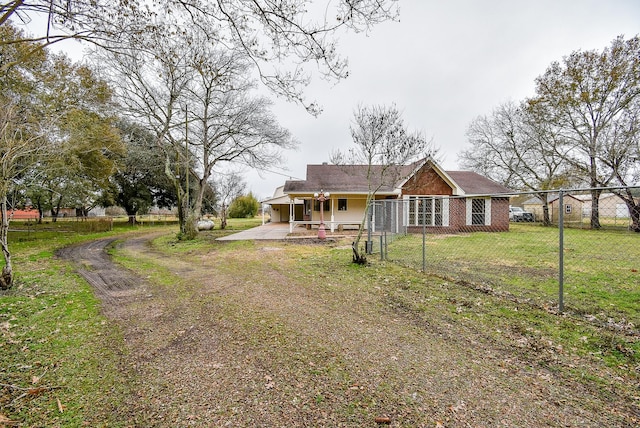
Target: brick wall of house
[
  {"x": 426, "y": 182},
  {"x": 500, "y": 215},
  {"x": 457, "y": 218}
]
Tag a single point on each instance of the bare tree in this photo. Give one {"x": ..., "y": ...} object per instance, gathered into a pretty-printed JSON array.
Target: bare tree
[
  {"x": 228, "y": 187},
  {"x": 281, "y": 39},
  {"x": 591, "y": 98},
  {"x": 228, "y": 124},
  {"x": 99, "y": 22},
  {"x": 384, "y": 145},
  {"x": 516, "y": 147},
  {"x": 198, "y": 103},
  {"x": 149, "y": 83}
]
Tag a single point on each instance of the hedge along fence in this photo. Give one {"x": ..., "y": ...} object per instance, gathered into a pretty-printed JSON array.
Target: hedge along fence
[{"x": 473, "y": 241}]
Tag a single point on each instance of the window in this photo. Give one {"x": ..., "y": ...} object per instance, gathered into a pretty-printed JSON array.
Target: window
[
  {"x": 412, "y": 210},
  {"x": 342, "y": 204},
  {"x": 326, "y": 205},
  {"x": 427, "y": 211},
  {"x": 477, "y": 211},
  {"x": 437, "y": 212}
]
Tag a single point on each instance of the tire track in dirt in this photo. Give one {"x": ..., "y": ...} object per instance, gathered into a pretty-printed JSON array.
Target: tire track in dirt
[
  {"x": 112, "y": 283},
  {"x": 293, "y": 354}
]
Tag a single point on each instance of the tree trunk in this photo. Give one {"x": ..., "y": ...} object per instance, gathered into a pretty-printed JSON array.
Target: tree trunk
[
  {"x": 595, "y": 209},
  {"x": 6, "y": 278},
  {"x": 38, "y": 202},
  {"x": 187, "y": 225},
  {"x": 358, "y": 256},
  {"x": 55, "y": 208},
  {"x": 634, "y": 214},
  {"x": 546, "y": 219},
  {"x": 190, "y": 228},
  {"x": 223, "y": 216}
]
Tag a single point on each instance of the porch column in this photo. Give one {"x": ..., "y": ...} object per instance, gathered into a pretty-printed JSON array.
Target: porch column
[
  {"x": 291, "y": 214},
  {"x": 332, "y": 217}
]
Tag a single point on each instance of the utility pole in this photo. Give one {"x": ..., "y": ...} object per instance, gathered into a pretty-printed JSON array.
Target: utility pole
[{"x": 186, "y": 158}]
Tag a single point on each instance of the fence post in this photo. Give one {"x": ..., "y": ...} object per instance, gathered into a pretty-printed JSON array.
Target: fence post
[
  {"x": 424, "y": 235},
  {"x": 382, "y": 235},
  {"x": 561, "y": 252},
  {"x": 386, "y": 245}
]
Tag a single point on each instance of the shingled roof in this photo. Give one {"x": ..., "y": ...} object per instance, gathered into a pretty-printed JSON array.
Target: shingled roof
[
  {"x": 348, "y": 179},
  {"x": 353, "y": 179},
  {"x": 473, "y": 183}
]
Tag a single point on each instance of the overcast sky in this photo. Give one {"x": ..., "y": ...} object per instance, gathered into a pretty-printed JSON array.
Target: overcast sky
[{"x": 444, "y": 64}]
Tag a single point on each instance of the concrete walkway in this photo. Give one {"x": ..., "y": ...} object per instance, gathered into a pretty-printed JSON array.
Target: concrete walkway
[{"x": 269, "y": 231}]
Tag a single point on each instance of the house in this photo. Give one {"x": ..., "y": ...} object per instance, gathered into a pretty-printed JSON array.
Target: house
[
  {"x": 26, "y": 214},
  {"x": 577, "y": 206},
  {"x": 281, "y": 206},
  {"x": 418, "y": 195}
]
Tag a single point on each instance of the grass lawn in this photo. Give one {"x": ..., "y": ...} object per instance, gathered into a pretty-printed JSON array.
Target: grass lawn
[
  {"x": 59, "y": 355},
  {"x": 61, "y": 359},
  {"x": 601, "y": 272}
]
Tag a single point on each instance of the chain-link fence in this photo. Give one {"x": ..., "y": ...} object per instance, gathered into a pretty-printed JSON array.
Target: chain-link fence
[{"x": 510, "y": 246}]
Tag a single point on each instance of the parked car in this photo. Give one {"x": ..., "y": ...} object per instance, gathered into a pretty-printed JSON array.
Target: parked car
[{"x": 519, "y": 214}]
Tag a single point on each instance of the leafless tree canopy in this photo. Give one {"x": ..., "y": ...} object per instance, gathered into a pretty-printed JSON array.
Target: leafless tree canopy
[
  {"x": 281, "y": 39},
  {"x": 383, "y": 145},
  {"x": 581, "y": 127}
]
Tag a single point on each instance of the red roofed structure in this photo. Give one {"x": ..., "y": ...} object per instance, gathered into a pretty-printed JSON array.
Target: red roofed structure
[{"x": 27, "y": 214}]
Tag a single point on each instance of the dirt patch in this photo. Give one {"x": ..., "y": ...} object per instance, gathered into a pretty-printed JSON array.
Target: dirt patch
[{"x": 270, "y": 345}]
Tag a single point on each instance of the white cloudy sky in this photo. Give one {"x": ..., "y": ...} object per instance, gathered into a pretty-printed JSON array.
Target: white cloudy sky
[{"x": 443, "y": 64}]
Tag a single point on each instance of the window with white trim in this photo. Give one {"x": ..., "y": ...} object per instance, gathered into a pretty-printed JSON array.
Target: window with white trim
[
  {"x": 430, "y": 211},
  {"x": 478, "y": 211}
]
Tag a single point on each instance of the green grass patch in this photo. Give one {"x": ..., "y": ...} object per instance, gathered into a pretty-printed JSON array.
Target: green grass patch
[
  {"x": 60, "y": 356},
  {"x": 601, "y": 269}
]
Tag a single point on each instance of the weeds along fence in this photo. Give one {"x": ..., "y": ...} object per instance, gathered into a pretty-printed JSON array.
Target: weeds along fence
[{"x": 572, "y": 251}]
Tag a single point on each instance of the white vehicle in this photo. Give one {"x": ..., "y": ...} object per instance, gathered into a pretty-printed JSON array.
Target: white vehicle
[{"x": 519, "y": 214}]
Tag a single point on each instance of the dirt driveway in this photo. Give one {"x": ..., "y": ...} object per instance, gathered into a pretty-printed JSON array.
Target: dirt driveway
[{"x": 211, "y": 345}]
